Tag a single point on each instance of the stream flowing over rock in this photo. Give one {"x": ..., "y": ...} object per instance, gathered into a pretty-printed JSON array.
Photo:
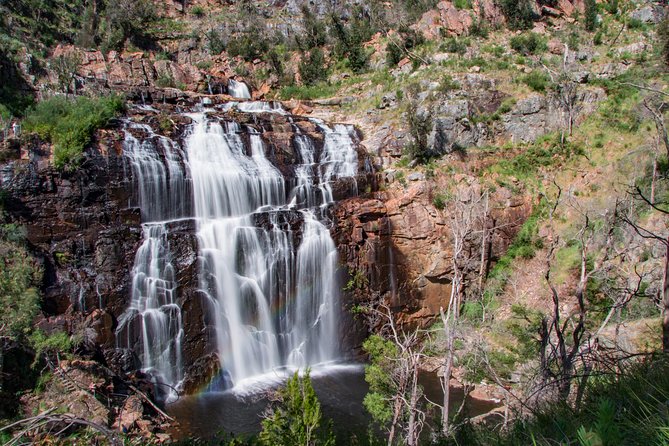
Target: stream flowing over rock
[
  {"x": 211, "y": 245},
  {"x": 201, "y": 254}
]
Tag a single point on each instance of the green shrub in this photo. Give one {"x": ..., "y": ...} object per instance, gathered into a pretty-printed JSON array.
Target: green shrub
[
  {"x": 197, "y": 11},
  {"x": 537, "y": 81},
  {"x": 612, "y": 7},
  {"x": 519, "y": 13},
  {"x": 215, "y": 41},
  {"x": 479, "y": 28},
  {"x": 307, "y": 92},
  {"x": 315, "y": 34},
  {"x": 70, "y": 124},
  {"x": 621, "y": 408},
  {"x": 530, "y": 43},
  {"x": 590, "y": 15},
  {"x": 448, "y": 84},
  {"x": 297, "y": 417},
  {"x": 663, "y": 39},
  {"x": 598, "y": 39},
  {"x": 439, "y": 201},
  {"x": 349, "y": 40},
  {"x": 312, "y": 67},
  {"x": 127, "y": 20},
  {"x": 56, "y": 343},
  {"x": 397, "y": 48},
  {"x": 455, "y": 45},
  {"x": 633, "y": 23},
  {"x": 462, "y": 4},
  {"x": 20, "y": 278},
  {"x": 251, "y": 44}
]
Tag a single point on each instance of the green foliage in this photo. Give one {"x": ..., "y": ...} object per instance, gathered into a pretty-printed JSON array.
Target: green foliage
[
  {"x": 349, "y": 39},
  {"x": 479, "y": 28},
  {"x": 358, "y": 281},
  {"x": 312, "y": 67},
  {"x": 197, "y": 11},
  {"x": 519, "y": 13},
  {"x": 463, "y": 4},
  {"x": 439, "y": 201},
  {"x": 127, "y": 20},
  {"x": 663, "y": 39},
  {"x": 619, "y": 110},
  {"x": 399, "y": 46},
  {"x": 306, "y": 92},
  {"x": 55, "y": 343},
  {"x": 20, "y": 277},
  {"x": 43, "y": 23},
  {"x": 624, "y": 408},
  {"x": 590, "y": 15},
  {"x": 612, "y": 7},
  {"x": 523, "y": 326},
  {"x": 527, "y": 44},
  {"x": 455, "y": 45},
  {"x": 70, "y": 124},
  {"x": 448, "y": 84},
  {"x": 297, "y": 419},
  {"x": 381, "y": 353},
  {"x": 315, "y": 34},
  {"x": 420, "y": 125},
  {"x": 215, "y": 41},
  {"x": 250, "y": 44},
  {"x": 537, "y": 80}
]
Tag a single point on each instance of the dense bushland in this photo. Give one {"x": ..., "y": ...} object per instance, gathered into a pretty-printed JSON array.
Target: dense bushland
[{"x": 70, "y": 124}]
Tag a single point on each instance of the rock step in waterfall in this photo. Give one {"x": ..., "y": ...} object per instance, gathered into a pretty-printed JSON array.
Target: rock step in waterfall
[{"x": 269, "y": 283}]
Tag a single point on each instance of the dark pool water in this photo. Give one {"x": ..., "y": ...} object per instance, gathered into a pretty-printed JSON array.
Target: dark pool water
[{"x": 340, "y": 389}]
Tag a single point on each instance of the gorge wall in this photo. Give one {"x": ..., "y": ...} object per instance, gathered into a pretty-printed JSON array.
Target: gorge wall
[{"x": 86, "y": 226}]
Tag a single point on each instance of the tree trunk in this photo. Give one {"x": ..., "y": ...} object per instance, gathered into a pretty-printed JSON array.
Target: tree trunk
[
  {"x": 397, "y": 409},
  {"x": 448, "y": 370},
  {"x": 665, "y": 300},
  {"x": 412, "y": 435}
]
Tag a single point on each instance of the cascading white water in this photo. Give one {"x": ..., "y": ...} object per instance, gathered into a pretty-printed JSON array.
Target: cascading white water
[
  {"x": 276, "y": 303},
  {"x": 268, "y": 262},
  {"x": 238, "y": 90},
  {"x": 152, "y": 323}
]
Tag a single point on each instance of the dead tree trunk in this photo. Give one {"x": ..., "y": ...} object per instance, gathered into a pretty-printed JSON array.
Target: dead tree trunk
[{"x": 665, "y": 300}]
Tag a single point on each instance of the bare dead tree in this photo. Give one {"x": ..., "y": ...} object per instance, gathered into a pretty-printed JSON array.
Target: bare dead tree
[
  {"x": 664, "y": 240},
  {"x": 658, "y": 118},
  {"x": 562, "y": 341},
  {"x": 47, "y": 418},
  {"x": 466, "y": 218},
  {"x": 408, "y": 415}
]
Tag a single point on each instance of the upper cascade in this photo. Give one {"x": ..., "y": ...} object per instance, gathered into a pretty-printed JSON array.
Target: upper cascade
[
  {"x": 238, "y": 90},
  {"x": 268, "y": 264}
]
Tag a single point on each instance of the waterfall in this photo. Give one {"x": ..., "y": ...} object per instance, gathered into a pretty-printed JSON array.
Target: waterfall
[
  {"x": 152, "y": 323},
  {"x": 267, "y": 261},
  {"x": 238, "y": 90}
]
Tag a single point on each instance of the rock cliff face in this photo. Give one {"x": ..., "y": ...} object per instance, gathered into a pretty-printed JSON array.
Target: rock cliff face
[
  {"x": 402, "y": 244},
  {"x": 86, "y": 226}
]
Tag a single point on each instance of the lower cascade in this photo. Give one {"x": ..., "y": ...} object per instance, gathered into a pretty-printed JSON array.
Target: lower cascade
[{"x": 267, "y": 262}]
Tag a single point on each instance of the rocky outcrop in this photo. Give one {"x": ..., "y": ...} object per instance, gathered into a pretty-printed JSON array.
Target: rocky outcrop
[
  {"x": 398, "y": 246},
  {"x": 537, "y": 115},
  {"x": 447, "y": 19}
]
